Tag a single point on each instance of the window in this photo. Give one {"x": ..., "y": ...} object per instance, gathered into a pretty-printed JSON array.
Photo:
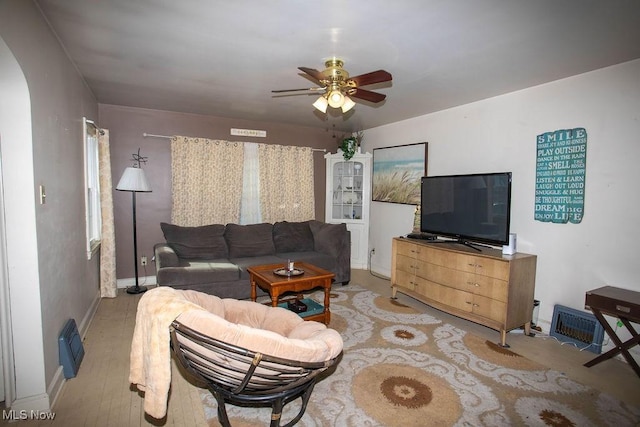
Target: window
[{"x": 92, "y": 187}]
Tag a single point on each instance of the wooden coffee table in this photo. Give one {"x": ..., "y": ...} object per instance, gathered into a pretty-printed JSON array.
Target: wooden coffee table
[{"x": 276, "y": 285}]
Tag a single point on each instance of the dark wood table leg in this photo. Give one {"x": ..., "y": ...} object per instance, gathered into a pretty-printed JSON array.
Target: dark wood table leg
[
  {"x": 621, "y": 347},
  {"x": 254, "y": 294},
  {"x": 327, "y": 301}
]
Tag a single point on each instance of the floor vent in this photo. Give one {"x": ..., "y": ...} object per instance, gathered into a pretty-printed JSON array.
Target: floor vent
[
  {"x": 70, "y": 349},
  {"x": 578, "y": 327}
]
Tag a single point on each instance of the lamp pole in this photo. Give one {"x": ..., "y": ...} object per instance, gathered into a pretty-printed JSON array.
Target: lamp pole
[{"x": 136, "y": 289}]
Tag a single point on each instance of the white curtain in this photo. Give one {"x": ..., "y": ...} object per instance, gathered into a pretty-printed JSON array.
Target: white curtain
[
  {"x": 250, "y": 212},
  {"x": 206, "y": 178}
]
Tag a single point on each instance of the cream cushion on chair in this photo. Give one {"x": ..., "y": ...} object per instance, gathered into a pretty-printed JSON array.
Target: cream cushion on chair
[{"x": 269, "y": 330}]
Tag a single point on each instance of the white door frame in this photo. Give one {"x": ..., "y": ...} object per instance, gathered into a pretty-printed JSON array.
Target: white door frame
[{"x": 20, "y": 310}]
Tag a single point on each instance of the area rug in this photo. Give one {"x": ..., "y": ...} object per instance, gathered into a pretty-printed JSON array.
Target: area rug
[{"x": 402, "y": 367}]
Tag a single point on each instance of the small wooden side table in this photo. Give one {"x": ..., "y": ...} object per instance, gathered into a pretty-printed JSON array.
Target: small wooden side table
[
  {"x": 623, "y": 304},
  {"x": 276, "y": 285}
]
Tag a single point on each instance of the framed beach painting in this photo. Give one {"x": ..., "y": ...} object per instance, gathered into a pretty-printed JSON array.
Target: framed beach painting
[{"x": 397, "y": 172}]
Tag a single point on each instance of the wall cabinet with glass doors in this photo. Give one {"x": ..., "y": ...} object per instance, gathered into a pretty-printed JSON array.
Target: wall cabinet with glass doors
[{"x": 348, "y": 199}]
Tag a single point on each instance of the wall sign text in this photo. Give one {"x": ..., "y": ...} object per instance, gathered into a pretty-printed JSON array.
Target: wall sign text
[{"x": 560, "y": 176}]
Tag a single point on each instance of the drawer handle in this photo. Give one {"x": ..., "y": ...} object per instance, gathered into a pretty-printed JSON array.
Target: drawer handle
[
  {"x": 623, "y": 309},
  {"x": 471, "y": 264},
  {"x": 477, "y": 285},
  {"x": 472, "y": 304}
]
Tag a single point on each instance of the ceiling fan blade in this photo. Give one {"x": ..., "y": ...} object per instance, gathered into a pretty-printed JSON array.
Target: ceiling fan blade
[
  {"x": 367, "y": 95},
  {"x": 372, "y": 78},
  {"x": 313, "y": 89},
  {"x": 313, "y": 73}
]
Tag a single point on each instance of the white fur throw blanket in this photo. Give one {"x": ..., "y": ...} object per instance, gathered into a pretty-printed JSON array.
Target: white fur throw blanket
[{"x": 150, "y": 366}]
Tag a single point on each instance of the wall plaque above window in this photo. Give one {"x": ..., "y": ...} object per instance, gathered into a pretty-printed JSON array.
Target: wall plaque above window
[
  {"x": 560, "y": 176},
  {"x": 249, "y": 132}
]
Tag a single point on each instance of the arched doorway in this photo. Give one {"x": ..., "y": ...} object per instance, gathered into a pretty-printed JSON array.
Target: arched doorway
[{"x": 20, "y": 313}]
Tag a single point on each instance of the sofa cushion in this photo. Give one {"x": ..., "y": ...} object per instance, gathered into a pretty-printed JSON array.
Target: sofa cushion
[
  {"x": 246, "y": 262},
  {"x": 292, "y": 236},
  {"x": 249, "y": 240},
  {"x": 199, "y": 271},
  {"x": 327, "y": 237},
  {"x": 204, "y": 242}
]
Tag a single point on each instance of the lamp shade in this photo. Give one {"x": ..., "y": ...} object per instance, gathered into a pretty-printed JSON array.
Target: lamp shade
[
  {"x": 133, "y": 179},
  {"x": 321, "y": 104},
  {"x": 348, "y": 104}
]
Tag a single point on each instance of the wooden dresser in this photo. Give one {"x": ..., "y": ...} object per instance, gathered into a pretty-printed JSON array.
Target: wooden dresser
[{"x": 485, "y": 287}]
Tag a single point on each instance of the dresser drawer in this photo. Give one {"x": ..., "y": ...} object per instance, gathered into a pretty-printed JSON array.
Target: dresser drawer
[
  {"x": 486, "y": 286},
  {"x": 464, "y": 281},
  {"x": 489, "y": 308},
  {"x": 405, "y": 280},
  {"x": 409, "y": 249},
  {"x": 450, "y": 297},
  {"x": 406, "y": 263},
  {"x": 483, "y": 266},
  {"x": 437, "y": 257}
]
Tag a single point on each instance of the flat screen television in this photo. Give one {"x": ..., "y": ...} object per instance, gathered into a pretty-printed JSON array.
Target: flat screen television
[{"x": 468, "y": 208}]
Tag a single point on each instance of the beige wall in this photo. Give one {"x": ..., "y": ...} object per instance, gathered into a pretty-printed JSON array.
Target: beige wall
[{"x": 126, "y": 128}]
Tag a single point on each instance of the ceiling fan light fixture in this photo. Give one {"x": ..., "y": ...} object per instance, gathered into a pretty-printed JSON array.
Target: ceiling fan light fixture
[
  {"x": 321, "y": 104},
  {"x": 348, "y": 104},
  {"x": 336, "y": 99}
]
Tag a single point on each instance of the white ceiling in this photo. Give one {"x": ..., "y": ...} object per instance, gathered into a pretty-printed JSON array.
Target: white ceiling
[{"x": 223, "y": 58}]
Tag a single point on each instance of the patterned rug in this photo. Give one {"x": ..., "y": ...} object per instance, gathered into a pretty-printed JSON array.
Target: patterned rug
[{"x": 402, "y": 367}]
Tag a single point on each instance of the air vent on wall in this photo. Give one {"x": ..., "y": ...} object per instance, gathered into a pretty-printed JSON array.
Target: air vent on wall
[
  {"x": 578, "y": 327},
  {"x": 70, "y": 349}
]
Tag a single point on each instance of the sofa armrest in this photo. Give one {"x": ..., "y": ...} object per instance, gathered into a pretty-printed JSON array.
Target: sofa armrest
[
  {"x": 334, "y": 240},
  {"x": 165, "y": 256}
]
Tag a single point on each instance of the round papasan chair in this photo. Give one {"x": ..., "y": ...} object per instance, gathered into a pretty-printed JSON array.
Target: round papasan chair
[{"x": 248, "y": 354}]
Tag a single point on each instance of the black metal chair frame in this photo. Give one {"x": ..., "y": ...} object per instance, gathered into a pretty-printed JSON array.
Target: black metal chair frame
[{"x": 244, "y": 377}]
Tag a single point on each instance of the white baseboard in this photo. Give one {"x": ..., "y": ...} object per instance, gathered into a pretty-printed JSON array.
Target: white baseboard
[
  {"x": 56, "y": 386},
  {"x": 27, "y": 405},
  {"x": 131, "y": 281}
]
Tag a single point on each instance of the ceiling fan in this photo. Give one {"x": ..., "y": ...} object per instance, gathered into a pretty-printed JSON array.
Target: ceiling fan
[{"x": 338, "y": 88}]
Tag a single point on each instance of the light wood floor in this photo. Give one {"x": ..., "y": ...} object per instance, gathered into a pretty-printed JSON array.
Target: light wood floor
[{"x": 101, "y": 395}]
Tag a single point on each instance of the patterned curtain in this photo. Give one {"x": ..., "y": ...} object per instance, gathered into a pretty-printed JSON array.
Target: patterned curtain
[
  {"x": 206, "y": 178},
  {"x": 286, "y": 183},
  {"x": 108, "y": 283}
]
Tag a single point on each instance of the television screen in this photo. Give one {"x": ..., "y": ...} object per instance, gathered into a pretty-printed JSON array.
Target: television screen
[{"x": 467, "y": 207}]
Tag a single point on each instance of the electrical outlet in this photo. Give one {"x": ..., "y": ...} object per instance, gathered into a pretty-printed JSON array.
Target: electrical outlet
[{"x": 143, "y": 260}]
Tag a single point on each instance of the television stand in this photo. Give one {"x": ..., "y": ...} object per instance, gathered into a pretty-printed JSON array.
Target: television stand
[{"x": 487, "y": 288}]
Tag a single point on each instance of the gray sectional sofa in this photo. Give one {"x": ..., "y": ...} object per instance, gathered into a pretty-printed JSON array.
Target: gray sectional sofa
[{"x": 214, "y": 258}]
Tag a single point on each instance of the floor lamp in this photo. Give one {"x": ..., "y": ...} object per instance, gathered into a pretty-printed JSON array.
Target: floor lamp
[{"x": 133, "y": 179}]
